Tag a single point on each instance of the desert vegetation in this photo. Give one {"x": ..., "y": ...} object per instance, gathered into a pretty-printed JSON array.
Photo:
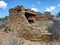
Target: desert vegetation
[
  {"x": 3, "y": 22},
  {"x": 4, "y": 18}
]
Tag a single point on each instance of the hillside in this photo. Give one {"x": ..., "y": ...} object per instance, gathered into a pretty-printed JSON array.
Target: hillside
[{"x": 27, "y": 27}]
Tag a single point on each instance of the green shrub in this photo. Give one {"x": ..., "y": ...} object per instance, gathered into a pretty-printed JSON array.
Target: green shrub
[{"x": 4, "y": 18}]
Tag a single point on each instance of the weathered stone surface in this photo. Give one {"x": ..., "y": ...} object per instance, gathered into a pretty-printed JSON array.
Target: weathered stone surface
[
  {"x": 20, "y": 19},
  {"x": 26, "y": 27}
]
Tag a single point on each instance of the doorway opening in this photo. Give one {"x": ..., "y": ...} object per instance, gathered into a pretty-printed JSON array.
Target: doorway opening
[{"x": 29, "y": 17}]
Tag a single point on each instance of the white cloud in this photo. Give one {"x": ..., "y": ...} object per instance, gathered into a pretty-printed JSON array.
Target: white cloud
[
  {"x": 3, "y": 4},
  {"x": 38, "y": 2},
  {"x": 35, "y": 9},
  {"x": 51, "y": 8}
]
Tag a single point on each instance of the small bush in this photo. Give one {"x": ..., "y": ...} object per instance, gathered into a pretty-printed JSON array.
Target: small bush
[{"x": 5, "y": 18}]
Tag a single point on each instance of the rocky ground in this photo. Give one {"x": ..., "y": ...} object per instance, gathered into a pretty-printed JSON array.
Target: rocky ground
[{"x": 24, "y": 28}]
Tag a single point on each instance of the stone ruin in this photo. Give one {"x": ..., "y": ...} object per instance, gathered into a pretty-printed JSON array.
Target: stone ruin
[
  {"x": 30, "y": 15},
  {"x": 29, "y": 24}
]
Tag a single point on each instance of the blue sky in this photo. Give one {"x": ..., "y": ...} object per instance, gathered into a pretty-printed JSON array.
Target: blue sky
[{"x": 37, "y": 5}]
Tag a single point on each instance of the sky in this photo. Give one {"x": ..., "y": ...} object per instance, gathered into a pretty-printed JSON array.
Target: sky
[{"x": 52, "y": 6}]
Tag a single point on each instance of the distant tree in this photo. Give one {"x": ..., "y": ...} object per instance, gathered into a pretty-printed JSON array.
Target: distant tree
[
  {"x": 0, "y": 19},
  {"x": 4, "y": 18}
]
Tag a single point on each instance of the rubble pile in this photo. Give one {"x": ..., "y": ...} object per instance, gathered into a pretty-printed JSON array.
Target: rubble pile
[
  {"x": 27, "y": 27},
  {"x": 29, "y": 24}
]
